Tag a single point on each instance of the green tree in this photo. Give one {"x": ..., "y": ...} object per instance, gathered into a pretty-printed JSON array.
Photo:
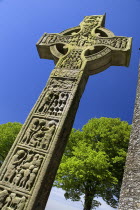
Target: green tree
[
  {"x": 8, "y": 133},
  {"x": 93, "y": 163}
]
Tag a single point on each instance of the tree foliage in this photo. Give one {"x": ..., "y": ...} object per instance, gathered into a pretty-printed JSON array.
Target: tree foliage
[
  {"x": 8, "y": 133},
  {"x": 93, "y": 163}
]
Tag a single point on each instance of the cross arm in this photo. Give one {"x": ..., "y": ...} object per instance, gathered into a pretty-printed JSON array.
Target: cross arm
[
  {"x": 47, "y": 40},
  {"x": 120, "y": 48}
]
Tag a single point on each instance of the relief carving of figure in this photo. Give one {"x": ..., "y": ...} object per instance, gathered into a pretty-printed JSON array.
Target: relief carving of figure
[
  {"x": 25, "y": 174},
  {"x": 58, "y": 104},
  {"x": 3, "y": 195},
  {"x": 27, "y": 169},
  {"x": 8, "y": 202},
  {"x": 35, "y": 130},
  {"x": 34, "y": 127},
  {"x": 13, "y": 202},
  {"x": 35, "y": 140},
  {"x": 17, "y": 178},
  {"x": 15, "y": 161},
  {"x": 37, "y": 137},
  {"x": 31, "y": 178},
  {"x": 21, "y": 204},
  {"x": 46, "y": 101},
  {"x": 48, "y": 135},
  {"x": 24, "y": 165}
]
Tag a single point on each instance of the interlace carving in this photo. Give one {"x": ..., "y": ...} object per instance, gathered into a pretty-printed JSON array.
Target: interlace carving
[
  {"x": 87, "y": 36},
  {"x": 71, "y": 61},
  {"x": 119, "y": 42},
  {"x": 59, "y": 83},
  {"x": 65, "y": 73}
]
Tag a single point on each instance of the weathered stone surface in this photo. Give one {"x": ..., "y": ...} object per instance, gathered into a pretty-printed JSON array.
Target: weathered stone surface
[
  {"x": 130, "y": 191},
  {"x": 28, "y": 172}
]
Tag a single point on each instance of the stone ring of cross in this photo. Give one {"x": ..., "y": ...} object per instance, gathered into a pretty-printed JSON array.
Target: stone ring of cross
[{"x": 100, "y": 48}]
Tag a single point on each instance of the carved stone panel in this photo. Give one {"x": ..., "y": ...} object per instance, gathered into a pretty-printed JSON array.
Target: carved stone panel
[
  {"x": 71, "y": 61},
  {"x": 40, "y": 133},
  {"x": 60, "y": 83},
  {"x": 22, "y": 169},
  {"x": 65, "y": 73},
  {"x": 53, "y": 103},
  {"x": 115, "y": 42},
  {"x": 11, "y": 201}
]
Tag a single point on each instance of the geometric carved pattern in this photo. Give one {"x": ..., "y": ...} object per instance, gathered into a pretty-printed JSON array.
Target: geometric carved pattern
[
  {"x": 71, "y": 61},
  {"x": 60, "y": 83},
  {"x": 63, "y": 73}
]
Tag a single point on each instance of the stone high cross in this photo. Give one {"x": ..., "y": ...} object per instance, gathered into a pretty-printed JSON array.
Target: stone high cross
[{"x": 28, "y": 172}]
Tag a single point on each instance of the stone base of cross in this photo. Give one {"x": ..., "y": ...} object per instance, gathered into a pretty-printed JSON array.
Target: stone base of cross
[{"x": 27, "y": 175}]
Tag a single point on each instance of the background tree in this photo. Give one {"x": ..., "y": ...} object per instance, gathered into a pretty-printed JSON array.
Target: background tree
[
  {"x": 8, "y": 133},
  {"x": 93, "y": 162}
]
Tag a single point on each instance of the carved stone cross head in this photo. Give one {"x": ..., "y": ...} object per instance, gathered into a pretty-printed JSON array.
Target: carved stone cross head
[{"x": 99, "y": 47}]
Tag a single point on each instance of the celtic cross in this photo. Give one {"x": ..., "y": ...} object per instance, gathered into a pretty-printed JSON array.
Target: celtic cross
[{"x": 29, "y": 170}]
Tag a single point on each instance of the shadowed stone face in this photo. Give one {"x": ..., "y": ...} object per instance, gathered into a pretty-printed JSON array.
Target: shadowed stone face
[
  {"x": 130, "y": 191},
  {"x": 27, "y": 174}
]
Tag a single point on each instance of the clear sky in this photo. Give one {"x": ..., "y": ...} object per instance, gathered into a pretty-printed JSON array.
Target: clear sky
[{"x": 23, "y": 74}]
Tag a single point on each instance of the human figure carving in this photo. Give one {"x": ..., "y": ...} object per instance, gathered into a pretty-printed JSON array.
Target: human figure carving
[
  {"x": 16, "y": 160},
  {"x": 48, "y": 135},
  {"x": 26, "y": 174},
  {"x": 15, "y": 201},
  {"x": 3, "y": 195},
  {"x": 46, "y": 101},
  {"x": 31, "y": 131},
  {"x": 21, "y": 204},
  {"x": 35, "y": 130},
  {"x": 8, "y": 202},
  {"x": 17, "y": 178},
  {"x": 31, "y": 178},
  {"x": 29, "y": 157}
]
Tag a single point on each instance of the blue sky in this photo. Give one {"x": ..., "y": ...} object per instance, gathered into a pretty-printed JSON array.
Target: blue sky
[{"x": 23, "y": 74}]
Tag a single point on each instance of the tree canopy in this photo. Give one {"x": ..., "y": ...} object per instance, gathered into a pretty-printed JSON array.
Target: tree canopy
[
  {"x": 93, "y": 163},
  {"x": 8, "y": 133}
]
